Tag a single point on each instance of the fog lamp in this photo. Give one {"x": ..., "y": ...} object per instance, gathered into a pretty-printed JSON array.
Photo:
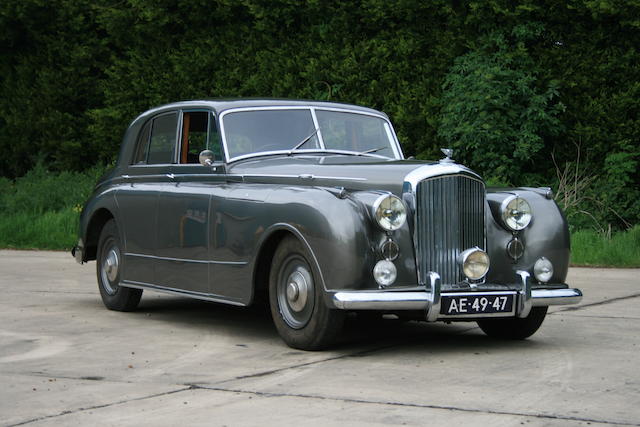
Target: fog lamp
[
  {"x": 385, "y": 272},
  {"x": 474, "y": 263},
  {"x": 543, "y": 270}
]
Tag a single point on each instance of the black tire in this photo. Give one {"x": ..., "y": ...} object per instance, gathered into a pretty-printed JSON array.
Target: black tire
[
  {"x": 516, "y": 328},
  {"x": 301, "y": 317},
  {"x": 109, "y": 262}
]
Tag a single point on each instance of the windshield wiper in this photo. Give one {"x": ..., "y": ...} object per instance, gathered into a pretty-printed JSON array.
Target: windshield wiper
[
  {"x": 304, "y": 141},
  {"x": 373, "y": 150}
]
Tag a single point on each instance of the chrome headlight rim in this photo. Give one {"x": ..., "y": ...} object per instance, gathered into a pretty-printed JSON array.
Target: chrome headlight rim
[
  {"x": 464, "y": 260},
  {"x": 508, "y": 220},
  {"x": 383, "y": 222}
]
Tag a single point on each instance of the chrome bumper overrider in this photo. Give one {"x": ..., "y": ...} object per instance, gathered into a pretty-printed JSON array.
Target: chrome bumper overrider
[{"x": 429, "y": 300}]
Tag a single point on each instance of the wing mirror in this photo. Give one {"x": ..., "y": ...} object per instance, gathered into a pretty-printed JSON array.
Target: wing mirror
[{"x": 206, "y": 157}]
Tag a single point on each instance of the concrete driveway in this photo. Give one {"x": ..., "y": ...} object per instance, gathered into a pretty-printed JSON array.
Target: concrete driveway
[{"x": 66, "y": 360}]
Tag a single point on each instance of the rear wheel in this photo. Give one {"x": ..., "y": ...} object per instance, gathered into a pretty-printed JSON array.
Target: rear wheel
[
  {"x": 109, "y": 271},
  {"x": 516, "y": 328},
  {"x": 295, "y": 296}
]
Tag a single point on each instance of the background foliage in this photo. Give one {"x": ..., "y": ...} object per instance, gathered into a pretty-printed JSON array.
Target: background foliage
[{"x": 528, "y": 92}]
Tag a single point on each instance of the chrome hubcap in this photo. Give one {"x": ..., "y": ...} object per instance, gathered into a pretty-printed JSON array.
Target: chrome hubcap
[
  {"x": 111, "y": 265},
  {"x": 110, "y": 269},
  {"x": 297, "y": 291}
]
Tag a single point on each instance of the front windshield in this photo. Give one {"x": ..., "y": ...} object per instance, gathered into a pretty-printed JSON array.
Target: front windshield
[
  {"x": 258, "y": 131},
  {"x": 268, "y": 130},
  {"x": 355, "y": 132}
]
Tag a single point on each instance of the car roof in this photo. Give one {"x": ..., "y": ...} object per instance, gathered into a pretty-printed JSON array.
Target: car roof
[{"x": 220, "y": 105}]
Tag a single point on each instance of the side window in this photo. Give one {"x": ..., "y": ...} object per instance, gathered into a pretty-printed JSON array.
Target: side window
[
  {"x": 198, "y": 133},
  {"x": 162, "y": 144},
  {"x": 142, "y": 146}
]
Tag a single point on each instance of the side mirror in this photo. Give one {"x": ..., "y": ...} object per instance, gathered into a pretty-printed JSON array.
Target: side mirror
[{"x": 206, "y": 157}]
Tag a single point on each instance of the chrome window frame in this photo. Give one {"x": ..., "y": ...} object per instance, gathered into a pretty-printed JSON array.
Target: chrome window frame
[{"x": 395, "y": 144}]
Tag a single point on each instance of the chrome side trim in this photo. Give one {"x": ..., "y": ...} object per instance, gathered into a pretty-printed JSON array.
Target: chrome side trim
[
  {"x": 344, "y": 178},
  {"x": 181, "y": 292},
  {"x": 524, "y": 295},
  {"x": 196, "y": 261}
]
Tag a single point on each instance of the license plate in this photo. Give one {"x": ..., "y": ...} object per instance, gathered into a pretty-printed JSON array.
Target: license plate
[{"x": 477, "y": 304}]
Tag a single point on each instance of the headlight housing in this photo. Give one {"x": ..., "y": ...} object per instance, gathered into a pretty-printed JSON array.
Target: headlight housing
[
  {"x": 389, "y": 212},
  {"x": 516, "y": 213},
  {"x": 474, "y": 263}
]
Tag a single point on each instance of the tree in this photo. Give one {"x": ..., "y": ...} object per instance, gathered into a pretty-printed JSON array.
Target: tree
[{"x": 496, "y": 111}]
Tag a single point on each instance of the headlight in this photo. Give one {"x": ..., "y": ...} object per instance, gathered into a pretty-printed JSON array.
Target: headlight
[
  {"x": 543, "y": 270},
  {"x": 516, "y": 213},
  {"x": 389, "y": 212},
  {"x": 385, "y": 273},
  {"x": 474, "y": 263}
]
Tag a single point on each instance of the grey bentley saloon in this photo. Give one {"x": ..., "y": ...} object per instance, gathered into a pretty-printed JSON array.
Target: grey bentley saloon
[{"x": 314, "y": 205}]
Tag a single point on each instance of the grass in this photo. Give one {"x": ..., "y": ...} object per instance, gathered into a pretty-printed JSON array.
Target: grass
[
  {"x": 592, "y": 249},
  {"x": 41, "y": 209},
  {"x": 56, "y": 230}
]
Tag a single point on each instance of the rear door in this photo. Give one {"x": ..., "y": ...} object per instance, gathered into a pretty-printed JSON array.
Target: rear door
[{"x": 138, "y": 198}]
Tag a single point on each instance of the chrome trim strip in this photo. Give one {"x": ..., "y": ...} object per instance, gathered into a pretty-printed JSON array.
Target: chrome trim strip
[
  {"x": 393, "y": 300},
  {"x": 197, "y": 261},
  {"x": 218, "y": 177},
  {"x": 181, "y": 292},
  {"x": 256, "y": 175},
  {"x": 524, "y": 300}
]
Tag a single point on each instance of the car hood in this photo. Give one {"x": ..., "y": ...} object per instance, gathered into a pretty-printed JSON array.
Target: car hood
[{"x": 352, "y": 172}]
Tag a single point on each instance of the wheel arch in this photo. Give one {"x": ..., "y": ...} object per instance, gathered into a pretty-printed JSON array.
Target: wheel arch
[
  {"x": 94, "y": 227},
  {"x": 266, "y": 251}
]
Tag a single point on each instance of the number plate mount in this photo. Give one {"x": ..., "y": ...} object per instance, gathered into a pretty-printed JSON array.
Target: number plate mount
[{"x": 478, "y": 304}]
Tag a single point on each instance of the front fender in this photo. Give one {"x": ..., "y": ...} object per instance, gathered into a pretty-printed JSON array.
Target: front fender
[
  {"x": 546, "y": 236},
  {"x": 339, "y": 231}
]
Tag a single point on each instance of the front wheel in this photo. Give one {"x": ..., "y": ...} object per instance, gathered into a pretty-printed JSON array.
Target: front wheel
[
  {"x": 295, "y": 296},
  {"x": 109, "y": 271},
  {"x": 515, "y": 328}
]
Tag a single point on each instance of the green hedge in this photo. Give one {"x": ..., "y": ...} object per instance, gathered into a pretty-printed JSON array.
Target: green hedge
[{"x": 529, "y": 92}]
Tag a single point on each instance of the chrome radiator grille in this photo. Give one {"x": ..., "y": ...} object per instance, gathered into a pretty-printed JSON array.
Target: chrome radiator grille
[{"x": 449, "y": 219}]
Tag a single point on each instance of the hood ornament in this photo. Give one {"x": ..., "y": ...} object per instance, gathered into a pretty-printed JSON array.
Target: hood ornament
[{"x": 448, "y": 152}]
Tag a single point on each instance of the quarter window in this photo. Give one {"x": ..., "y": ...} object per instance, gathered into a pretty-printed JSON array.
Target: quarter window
[
  {"x": 157, "y": 140},
  {"x": 143, "y": 145}
]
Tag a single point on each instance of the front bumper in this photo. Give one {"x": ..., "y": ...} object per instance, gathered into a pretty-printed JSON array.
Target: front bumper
[{"x": 429, "y": 300}]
